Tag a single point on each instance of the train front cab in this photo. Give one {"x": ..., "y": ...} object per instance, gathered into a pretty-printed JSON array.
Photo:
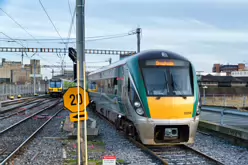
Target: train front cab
[
  {"x": 55, "y": 88},
  {"x": 170, "y": 101}
]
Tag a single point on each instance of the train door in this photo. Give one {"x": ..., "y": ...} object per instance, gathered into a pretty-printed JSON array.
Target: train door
[{"x": 126, "y": 89}]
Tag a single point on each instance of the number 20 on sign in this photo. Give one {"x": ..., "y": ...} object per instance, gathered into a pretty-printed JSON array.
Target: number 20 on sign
[{"x": 71, "y": 101}]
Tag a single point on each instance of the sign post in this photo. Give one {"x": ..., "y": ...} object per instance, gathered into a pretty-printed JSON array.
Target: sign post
[{"x": 76, "y": 100}]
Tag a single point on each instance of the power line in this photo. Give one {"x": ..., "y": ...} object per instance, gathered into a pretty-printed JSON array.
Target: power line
[
  {"x": 106, "y": 38},
  {"x": 70, "y": 29},
  {"x": 12, "y": 39},
  {"x": 69, "y": 5},
  {"x": 51, "y": 39},
  {"x": 19, "y": 25},
  {"x": 55, "y": 40},
  {"x": 50, "y": 20}
]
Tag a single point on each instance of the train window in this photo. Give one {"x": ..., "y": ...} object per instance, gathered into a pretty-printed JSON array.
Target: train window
[
  {"x": 156, "y": 81},
  {"x": 52, "y": 84},
  {"x": 115, "y": 86},
  {"x": 181, "y": 83},
  {"x": 93, "y": 85}
]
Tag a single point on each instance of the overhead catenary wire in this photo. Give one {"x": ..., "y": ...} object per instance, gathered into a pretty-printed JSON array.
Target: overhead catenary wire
[
  {"x": 19, "y": 25},
  {"x": 51, "y": 20},
  {"x": 89, "y": 40},
  {"x": 70, "y": 29},
  {"x": 54, "y": 39}
]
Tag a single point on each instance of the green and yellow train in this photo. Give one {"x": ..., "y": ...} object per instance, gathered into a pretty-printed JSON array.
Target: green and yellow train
[
  {"x": 58, "y": 86},
  {"x": 153, "y": 96}
]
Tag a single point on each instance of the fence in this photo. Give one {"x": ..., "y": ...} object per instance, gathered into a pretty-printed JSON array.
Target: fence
[
  {"x": 224, "y": 116},
  {"x": 24, "y": 90},
  {"x": 238, "y": 101}
]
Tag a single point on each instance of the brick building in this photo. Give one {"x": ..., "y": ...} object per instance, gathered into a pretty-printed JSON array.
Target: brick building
[
  {"x": 14, "y": 72},
  {"x": 218, "y": 68}
]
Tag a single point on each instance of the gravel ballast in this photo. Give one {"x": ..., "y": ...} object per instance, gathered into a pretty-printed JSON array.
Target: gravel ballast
[
  {"x": 119, "y": 146},
  {"x": 46, "y": 149},
  {"x": 221, "y": 150},
  {"x": 4, "y": 123}
]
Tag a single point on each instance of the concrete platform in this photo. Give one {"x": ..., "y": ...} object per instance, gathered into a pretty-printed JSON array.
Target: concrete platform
[
  {"x": 236, "y": 135},
  {"x": 71, "y": 128}
]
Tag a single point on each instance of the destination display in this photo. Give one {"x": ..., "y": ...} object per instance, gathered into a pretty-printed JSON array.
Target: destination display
[{"x": 166, "y": 62}]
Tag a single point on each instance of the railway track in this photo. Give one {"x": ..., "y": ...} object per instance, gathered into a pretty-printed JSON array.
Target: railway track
[
  {"x": 171, "y": 154},
  {"x": 5, "y": 104},
  {"x": 13, "y": 138},
  {"x": 14, "y": 111},
  {"x": 177, "y": 154},
  {"x": 13, "y": 102}
]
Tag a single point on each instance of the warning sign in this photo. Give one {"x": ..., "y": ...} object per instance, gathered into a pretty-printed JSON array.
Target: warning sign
[{"x": 109, "y": 160}]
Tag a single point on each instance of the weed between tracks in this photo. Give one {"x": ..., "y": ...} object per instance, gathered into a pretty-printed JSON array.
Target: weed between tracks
[{"x": 96, "y": 150}]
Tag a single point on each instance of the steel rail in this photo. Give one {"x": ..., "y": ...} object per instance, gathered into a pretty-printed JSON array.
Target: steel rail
[
  {"x": 148, "y": 149},
  {"x": 12, "y": 126},
  {"x": 17, "y": 106},
  {"x": 15, "y": 113},
  {"x": 29, "y": 138}
]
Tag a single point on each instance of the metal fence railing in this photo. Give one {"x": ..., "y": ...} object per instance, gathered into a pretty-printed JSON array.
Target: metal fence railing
[
  {"x": 225, "y": 116},
  {"x": 24, "y": 90}
]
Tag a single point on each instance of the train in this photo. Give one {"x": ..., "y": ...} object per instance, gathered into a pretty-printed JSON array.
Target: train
[
  {"x": 58, "y": 86},
  {"x": 153, "y": 96}
]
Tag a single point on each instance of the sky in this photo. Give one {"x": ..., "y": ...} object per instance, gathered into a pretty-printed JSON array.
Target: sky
[{"x": 204, "y": 31}]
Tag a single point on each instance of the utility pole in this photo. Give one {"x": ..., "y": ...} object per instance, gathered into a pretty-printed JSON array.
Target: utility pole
[
  {"x": 110, "y": 61},
  {"x": 138, "y": 31},
  {"x": 34, "y": 74},
  {"x": 22, "y": 58},
  {"x": 52, "y": 73},
  {"x": 80, "y": 46}
]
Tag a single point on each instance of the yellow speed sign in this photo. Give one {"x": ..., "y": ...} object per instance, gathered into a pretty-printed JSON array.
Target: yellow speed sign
[{"x": 71, "y": 99}]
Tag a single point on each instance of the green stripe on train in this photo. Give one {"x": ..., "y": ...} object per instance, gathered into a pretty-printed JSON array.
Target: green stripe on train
[
  {"x": 133, "y": 65},
  {"x": 196, "y": 93}
]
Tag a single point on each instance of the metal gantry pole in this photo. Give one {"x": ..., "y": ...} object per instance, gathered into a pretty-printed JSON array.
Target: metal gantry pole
[
  {"x": 34, "y": 74},
  {"x": 80, "y": 45}
]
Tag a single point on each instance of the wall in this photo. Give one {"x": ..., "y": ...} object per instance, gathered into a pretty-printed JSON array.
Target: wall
[
  {"x": 7, "y": 67},
  {"x": 225, "y": 90}
]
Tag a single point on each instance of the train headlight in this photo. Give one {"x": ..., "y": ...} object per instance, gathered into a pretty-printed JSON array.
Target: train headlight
[
  {"x": 137, "y": 104},
  {"x": 140, "y": 111}
]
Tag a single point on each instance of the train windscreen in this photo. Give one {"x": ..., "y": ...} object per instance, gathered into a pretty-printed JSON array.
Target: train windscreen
[
  {"x": 167, "y": 80},
  {"x": 55, "y": 84}
]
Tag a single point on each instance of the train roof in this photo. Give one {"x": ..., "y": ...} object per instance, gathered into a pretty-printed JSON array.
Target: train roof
[{"x": 144, "y": 55}]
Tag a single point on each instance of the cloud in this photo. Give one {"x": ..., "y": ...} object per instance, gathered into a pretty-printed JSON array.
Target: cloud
[
  {"x": 181, "y": 1},
  {"x": 203, "y": 32}
]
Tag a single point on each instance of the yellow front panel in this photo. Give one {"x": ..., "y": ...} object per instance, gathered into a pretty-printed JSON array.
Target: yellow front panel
[
  {"x": 171, "y": 107},
  {"x": 55, "y": 89}
]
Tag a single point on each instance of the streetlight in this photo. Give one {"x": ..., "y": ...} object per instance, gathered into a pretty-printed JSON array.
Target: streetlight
[
  {"x": 204, "y": 88},
  {"x": 46, "y": 85}
]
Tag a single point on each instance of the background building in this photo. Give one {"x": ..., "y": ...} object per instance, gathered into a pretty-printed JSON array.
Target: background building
[
  {"x": 218, "y": 68},
  {"x": 14, "y": 72}
]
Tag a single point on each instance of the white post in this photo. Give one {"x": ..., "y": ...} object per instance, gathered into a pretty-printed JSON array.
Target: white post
[{"x": 204, "y": 95}]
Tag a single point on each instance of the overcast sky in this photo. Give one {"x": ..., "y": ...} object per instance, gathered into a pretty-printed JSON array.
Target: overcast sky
[{"x": 205, "y": 31}]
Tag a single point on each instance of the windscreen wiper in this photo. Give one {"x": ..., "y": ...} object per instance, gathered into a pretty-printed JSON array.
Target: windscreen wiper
[
  {"x": 165, "y": 85},
  {"x": 174, "y": 86}
]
